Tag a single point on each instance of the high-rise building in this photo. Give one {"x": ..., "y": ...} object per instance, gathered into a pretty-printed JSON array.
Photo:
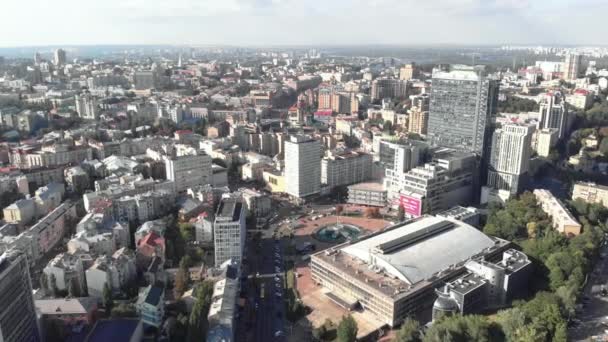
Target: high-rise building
[
  {"x": 510, "y": 157},
  {"x": 462, "y": 103},
  {"x": 17, "y": 310},
  {"x": 340, "y": 168},
  {"x": 229, "y": 231},
  {"x": 86, "y": 107},
  {"x": 302, "y": 166},
  {"x": 60, "y": 57},
  {"x": 440, "y": 185},
  {"x": 554, "y": 113},
  {"x": 145, "y": 80},
  {"x": 419, "y": 115},
  {"x": 407, "y": 72},
  {"x": 389, "y": 88},
  {"x": 397, "y": 158},
  {"x": 341, "y": 102},
  {"x": 572, "y": 66},
  {"x": 37, "y": 58},
  {"x": 188, "y": 167}
]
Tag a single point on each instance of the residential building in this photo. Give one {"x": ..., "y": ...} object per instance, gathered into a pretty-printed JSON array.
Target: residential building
[
  {"x": 553, "y": 113},
  {"x": 393, "y": 274},
  {"x": 18, "y": 317},
  {"x": 67, "y": 313},
  {"x": 545, "y": 140},
  {"x": 572, "y": 66},
  {"x": 222, "y": 312},
  {"x": 437, "y": 186},
  {"x": 302, "y": 166},
  {"x": 408, "y": 72},
  {"x": 116, "y": 272},
  {"x": 562, "y": 219},
  {"x": 151, "y": 305},
  {"x": 398, "y": 157},
  {"x": 188, "y": 167},
  {"x": 257, "y": 204},
  {"x": 60, "y": 57},
  {"x": 418, "y": 121},
  {"x": 86, "y": 107},
  {"x": 462, "y": 103},
  {"x": 344, "y": 167},
  {"x": 21, "y": 212},
  {"x": 371, "y": 194},
  {"x": 229, "y": 231},
  {"x": 591, "y": 193},
  {"x": 389, "y": 88},
  {"x": 580, "y": 99},
  {"x": 150, "y": 250},
  {"x": 68, "y": 272},
  {"x": 510, "y": 158}
]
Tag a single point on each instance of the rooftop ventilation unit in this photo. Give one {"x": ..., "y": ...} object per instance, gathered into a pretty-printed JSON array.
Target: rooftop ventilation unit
[{"x": 411, "y": 238}]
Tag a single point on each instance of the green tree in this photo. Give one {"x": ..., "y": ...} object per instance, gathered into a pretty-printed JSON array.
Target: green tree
[
  {"x": 604, "y": 146},
  {"x": 459, "y": 328},
  {"x": 347, "y": 329},
  {"x": 401, "y": 214},
  {"x": 123, "y": 310},
  {"x": 182, "y": 277},
  {"x": 409, "y": 331},
  {"x": 197, "y": 323},
  {"x": 53, "y": 285},
  {"x": 186, "y": 231},
  {"x": 108, "y": 301}
]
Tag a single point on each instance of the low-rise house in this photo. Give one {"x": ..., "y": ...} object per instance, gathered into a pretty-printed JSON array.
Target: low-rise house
[
  {"x": 117, "y": 272},
  {"x": 67, "y": 270},
  {"x": 151, "y": 305},
  {"x": 563, "y": 220}
]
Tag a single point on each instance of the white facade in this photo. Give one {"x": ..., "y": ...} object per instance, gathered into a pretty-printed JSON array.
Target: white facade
[
  {"x": 188, "y": 168},
  {"x": 510, "y": 158},
  {"x": 554, "y": 114},
  {"x": 302, "y": 166},
  {"x": 545, "y": 140},
  {"x": 229, "y": 231}
]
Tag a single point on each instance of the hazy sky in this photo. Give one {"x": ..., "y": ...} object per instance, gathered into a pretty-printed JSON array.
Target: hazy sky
[{"x": 295, "y": 22}]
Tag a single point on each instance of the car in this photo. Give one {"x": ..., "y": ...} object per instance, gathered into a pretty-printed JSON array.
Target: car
[{"x": 279, "y": 333}]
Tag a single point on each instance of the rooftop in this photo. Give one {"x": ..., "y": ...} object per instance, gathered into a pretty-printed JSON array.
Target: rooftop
[
  {"x": 115, "y": 330},
  {"x": 410, "y": 251}
]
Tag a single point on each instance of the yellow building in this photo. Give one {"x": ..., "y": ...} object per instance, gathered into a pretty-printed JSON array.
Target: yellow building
[
  {"x": 274, "y": 180},
  {"x": 591, "y": 193}
]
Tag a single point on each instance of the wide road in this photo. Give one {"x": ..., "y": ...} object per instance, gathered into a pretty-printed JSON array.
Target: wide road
[{"x": 264, "y": 315}]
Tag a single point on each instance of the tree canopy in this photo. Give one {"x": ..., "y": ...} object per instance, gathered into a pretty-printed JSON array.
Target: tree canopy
[{"x": 347, "y": 329}]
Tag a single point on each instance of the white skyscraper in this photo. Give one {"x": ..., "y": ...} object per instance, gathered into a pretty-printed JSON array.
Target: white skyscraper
[
  {"x": 60, "y": 57},
  {"x": 302, "y": 166},
  {"x": 86, "y": 107},
  {"x": 510, "y": 157},
  {"x": 554, "y": 113},
  {"x": 572, "y": 66},
  {"x": 229, "y": 231}
]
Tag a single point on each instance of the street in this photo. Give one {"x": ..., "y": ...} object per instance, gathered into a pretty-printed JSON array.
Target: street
[{"x": 592, "y": 320}]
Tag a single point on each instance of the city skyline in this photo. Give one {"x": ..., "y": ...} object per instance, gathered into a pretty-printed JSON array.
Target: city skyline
[{"x": 288, "y": 22}]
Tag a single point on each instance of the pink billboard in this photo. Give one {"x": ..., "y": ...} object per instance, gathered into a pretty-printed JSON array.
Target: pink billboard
[{"x": 412, "y": 206}]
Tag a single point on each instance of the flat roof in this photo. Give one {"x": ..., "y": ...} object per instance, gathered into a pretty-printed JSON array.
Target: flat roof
[
  {"x": 369, "y": 186},
  {"x": 417, "y": 250},
  {"x": 115, "y": 330}
]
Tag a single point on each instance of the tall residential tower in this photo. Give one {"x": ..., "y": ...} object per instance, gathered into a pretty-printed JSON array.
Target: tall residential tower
[{"x": 462, "y": 103}]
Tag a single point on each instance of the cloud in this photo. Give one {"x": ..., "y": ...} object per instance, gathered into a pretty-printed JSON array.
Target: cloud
[{"x": 260, "y": 22}]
